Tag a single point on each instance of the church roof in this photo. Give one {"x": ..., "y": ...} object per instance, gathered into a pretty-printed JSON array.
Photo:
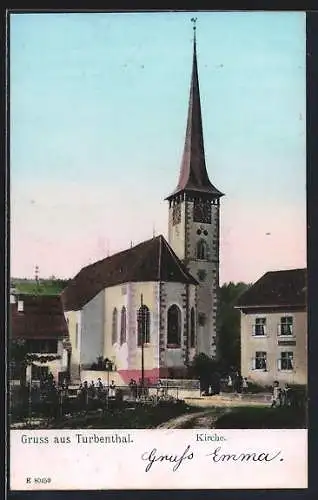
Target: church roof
[
  {"x": 193, "y": 173},
  {"x": 42, "y": 317},
  {"x": 151, "y": 260},
  {"x": 277, "y": 288}
]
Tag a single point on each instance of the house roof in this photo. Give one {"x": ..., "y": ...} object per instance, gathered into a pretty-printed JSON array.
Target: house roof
[
  {"x": 193, "y": 173},
  {"x": 42, "y": 317},
  {"x": 151, "y": 260},
  {"x": 277, "y": 288}
]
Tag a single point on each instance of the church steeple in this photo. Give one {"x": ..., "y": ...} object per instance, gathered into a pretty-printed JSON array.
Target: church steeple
[{"x": 193, "y": 173}]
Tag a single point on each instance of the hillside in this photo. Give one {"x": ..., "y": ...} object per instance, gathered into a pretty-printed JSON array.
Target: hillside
[{"x": 51, "y": 286}]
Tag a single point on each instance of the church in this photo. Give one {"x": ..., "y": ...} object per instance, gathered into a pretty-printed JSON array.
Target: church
[{"x": 174, "y": 283}]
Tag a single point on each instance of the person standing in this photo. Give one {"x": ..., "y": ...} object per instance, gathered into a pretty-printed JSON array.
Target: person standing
[
  {"x": 276, "y": 396},
  {"x": 244, "y": 385},
  {"x": 131, "y": 388},
  {"x": 229, "y": 383},
  {"x": 112, "y": 390},
  {"x": 286, "y": 395}
]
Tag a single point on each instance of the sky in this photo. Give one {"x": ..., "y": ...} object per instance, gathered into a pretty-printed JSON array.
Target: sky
[{"x": 98, "y": 107}]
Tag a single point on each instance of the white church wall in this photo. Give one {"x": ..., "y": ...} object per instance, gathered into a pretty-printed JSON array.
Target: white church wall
[
  {"x": 150, "y": 293},
  {"x": 91, "y": 328},
  {"x": 172, "y": 293},
  {"x": 73, "y": 319},
  {"x": 115, "y": 298},
  {"x": 127, "y": 357}
]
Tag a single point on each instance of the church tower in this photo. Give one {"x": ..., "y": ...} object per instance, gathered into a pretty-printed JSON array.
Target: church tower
[{"x": 194, "y": 220}]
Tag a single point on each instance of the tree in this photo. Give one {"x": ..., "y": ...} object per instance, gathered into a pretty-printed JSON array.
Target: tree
[
  {"x": 205, "y": 369},
  {"x": 229, "y": 339}
]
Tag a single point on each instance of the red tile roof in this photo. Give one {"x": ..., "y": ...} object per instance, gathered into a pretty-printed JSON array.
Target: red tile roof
[
  {"x": 42, "y": 317},
  {"x": 277, "y": 288},
  {"x": 151, "y": 260}
]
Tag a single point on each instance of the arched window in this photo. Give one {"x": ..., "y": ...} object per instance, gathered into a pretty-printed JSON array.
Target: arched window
[
  {"x": 202, "y": 250},
  {"x": 114, "y": 326},
  {"x": 192, "y": 328},
  {"x": 143, "y": 322},
  {"x": 174, "y": 326},
  {"x": 123, "y": 325}
]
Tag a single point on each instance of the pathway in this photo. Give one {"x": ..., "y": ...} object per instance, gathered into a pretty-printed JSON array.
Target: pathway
[{"x": 200, "y": 420}]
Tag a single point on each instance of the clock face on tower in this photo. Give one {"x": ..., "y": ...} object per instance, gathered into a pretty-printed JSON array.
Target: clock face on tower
[
  {"x": 202, "y": 211},
  {"x": 176, "y": 214}
]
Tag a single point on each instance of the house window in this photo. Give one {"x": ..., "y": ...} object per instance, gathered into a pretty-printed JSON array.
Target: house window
[
  {"x": 114, "y": 326},
  {"x": 259, "y": 328},
  {"x": 260, "y": 362},
  {"x": 192, "y": 328},
  {"x": 202, "y": 250},
  {"x": 123, "y": 325},
  {"x": 286, "y": 326},
  {"x": 286, "y": 361},
  {"x": 143, "y": 322},
  {"x": 76, "y": 336},
  {"x": 20, "y": 306},
  {"x": 174, "y": 326}
]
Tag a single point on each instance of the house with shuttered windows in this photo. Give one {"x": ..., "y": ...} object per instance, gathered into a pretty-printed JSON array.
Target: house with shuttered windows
[{"x": 274, "y": 328}]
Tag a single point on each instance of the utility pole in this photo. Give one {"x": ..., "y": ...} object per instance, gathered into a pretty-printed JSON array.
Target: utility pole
[
  {"x": 141, "y": 328},
  {"x": 142, "y": 345},
  {"x": 36, "y": 274}
]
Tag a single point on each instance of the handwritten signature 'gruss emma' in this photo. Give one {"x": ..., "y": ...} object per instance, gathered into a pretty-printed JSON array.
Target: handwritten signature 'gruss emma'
[{"x": 153, "y": 456}]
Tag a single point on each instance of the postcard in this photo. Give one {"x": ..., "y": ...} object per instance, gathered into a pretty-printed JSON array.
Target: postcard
[{"x": 158, "y": 311}]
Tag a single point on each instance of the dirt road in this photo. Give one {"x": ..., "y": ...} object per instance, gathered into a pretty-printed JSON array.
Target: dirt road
[{"x": 200, "y": 420}]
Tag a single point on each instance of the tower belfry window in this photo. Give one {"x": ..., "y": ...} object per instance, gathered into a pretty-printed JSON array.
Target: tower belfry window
[
  {"x": 176, "y": 214},
  {"x": 202, "y": 250}
]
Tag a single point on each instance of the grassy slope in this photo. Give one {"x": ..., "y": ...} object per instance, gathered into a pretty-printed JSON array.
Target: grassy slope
[{"x": 45, "y": 287}]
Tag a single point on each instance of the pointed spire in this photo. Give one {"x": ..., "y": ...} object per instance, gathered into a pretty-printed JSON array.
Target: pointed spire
[{"x": 193, "y": 173}]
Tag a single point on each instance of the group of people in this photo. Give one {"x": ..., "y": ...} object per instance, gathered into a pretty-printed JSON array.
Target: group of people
[
  {"x": 96, "y": 391},
  {"x": 281, "y": 396},
  {"x": 237, "y": 383},
  {"x": 137, "y": 390}
]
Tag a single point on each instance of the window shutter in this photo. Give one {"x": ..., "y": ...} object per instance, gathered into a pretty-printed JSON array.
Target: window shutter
[
  {"x": 253, "y": 329},
  {"x": 279, "y": 364},
  {"x": 253, "y": 366},
  {"x": 291, "y": 361}
]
